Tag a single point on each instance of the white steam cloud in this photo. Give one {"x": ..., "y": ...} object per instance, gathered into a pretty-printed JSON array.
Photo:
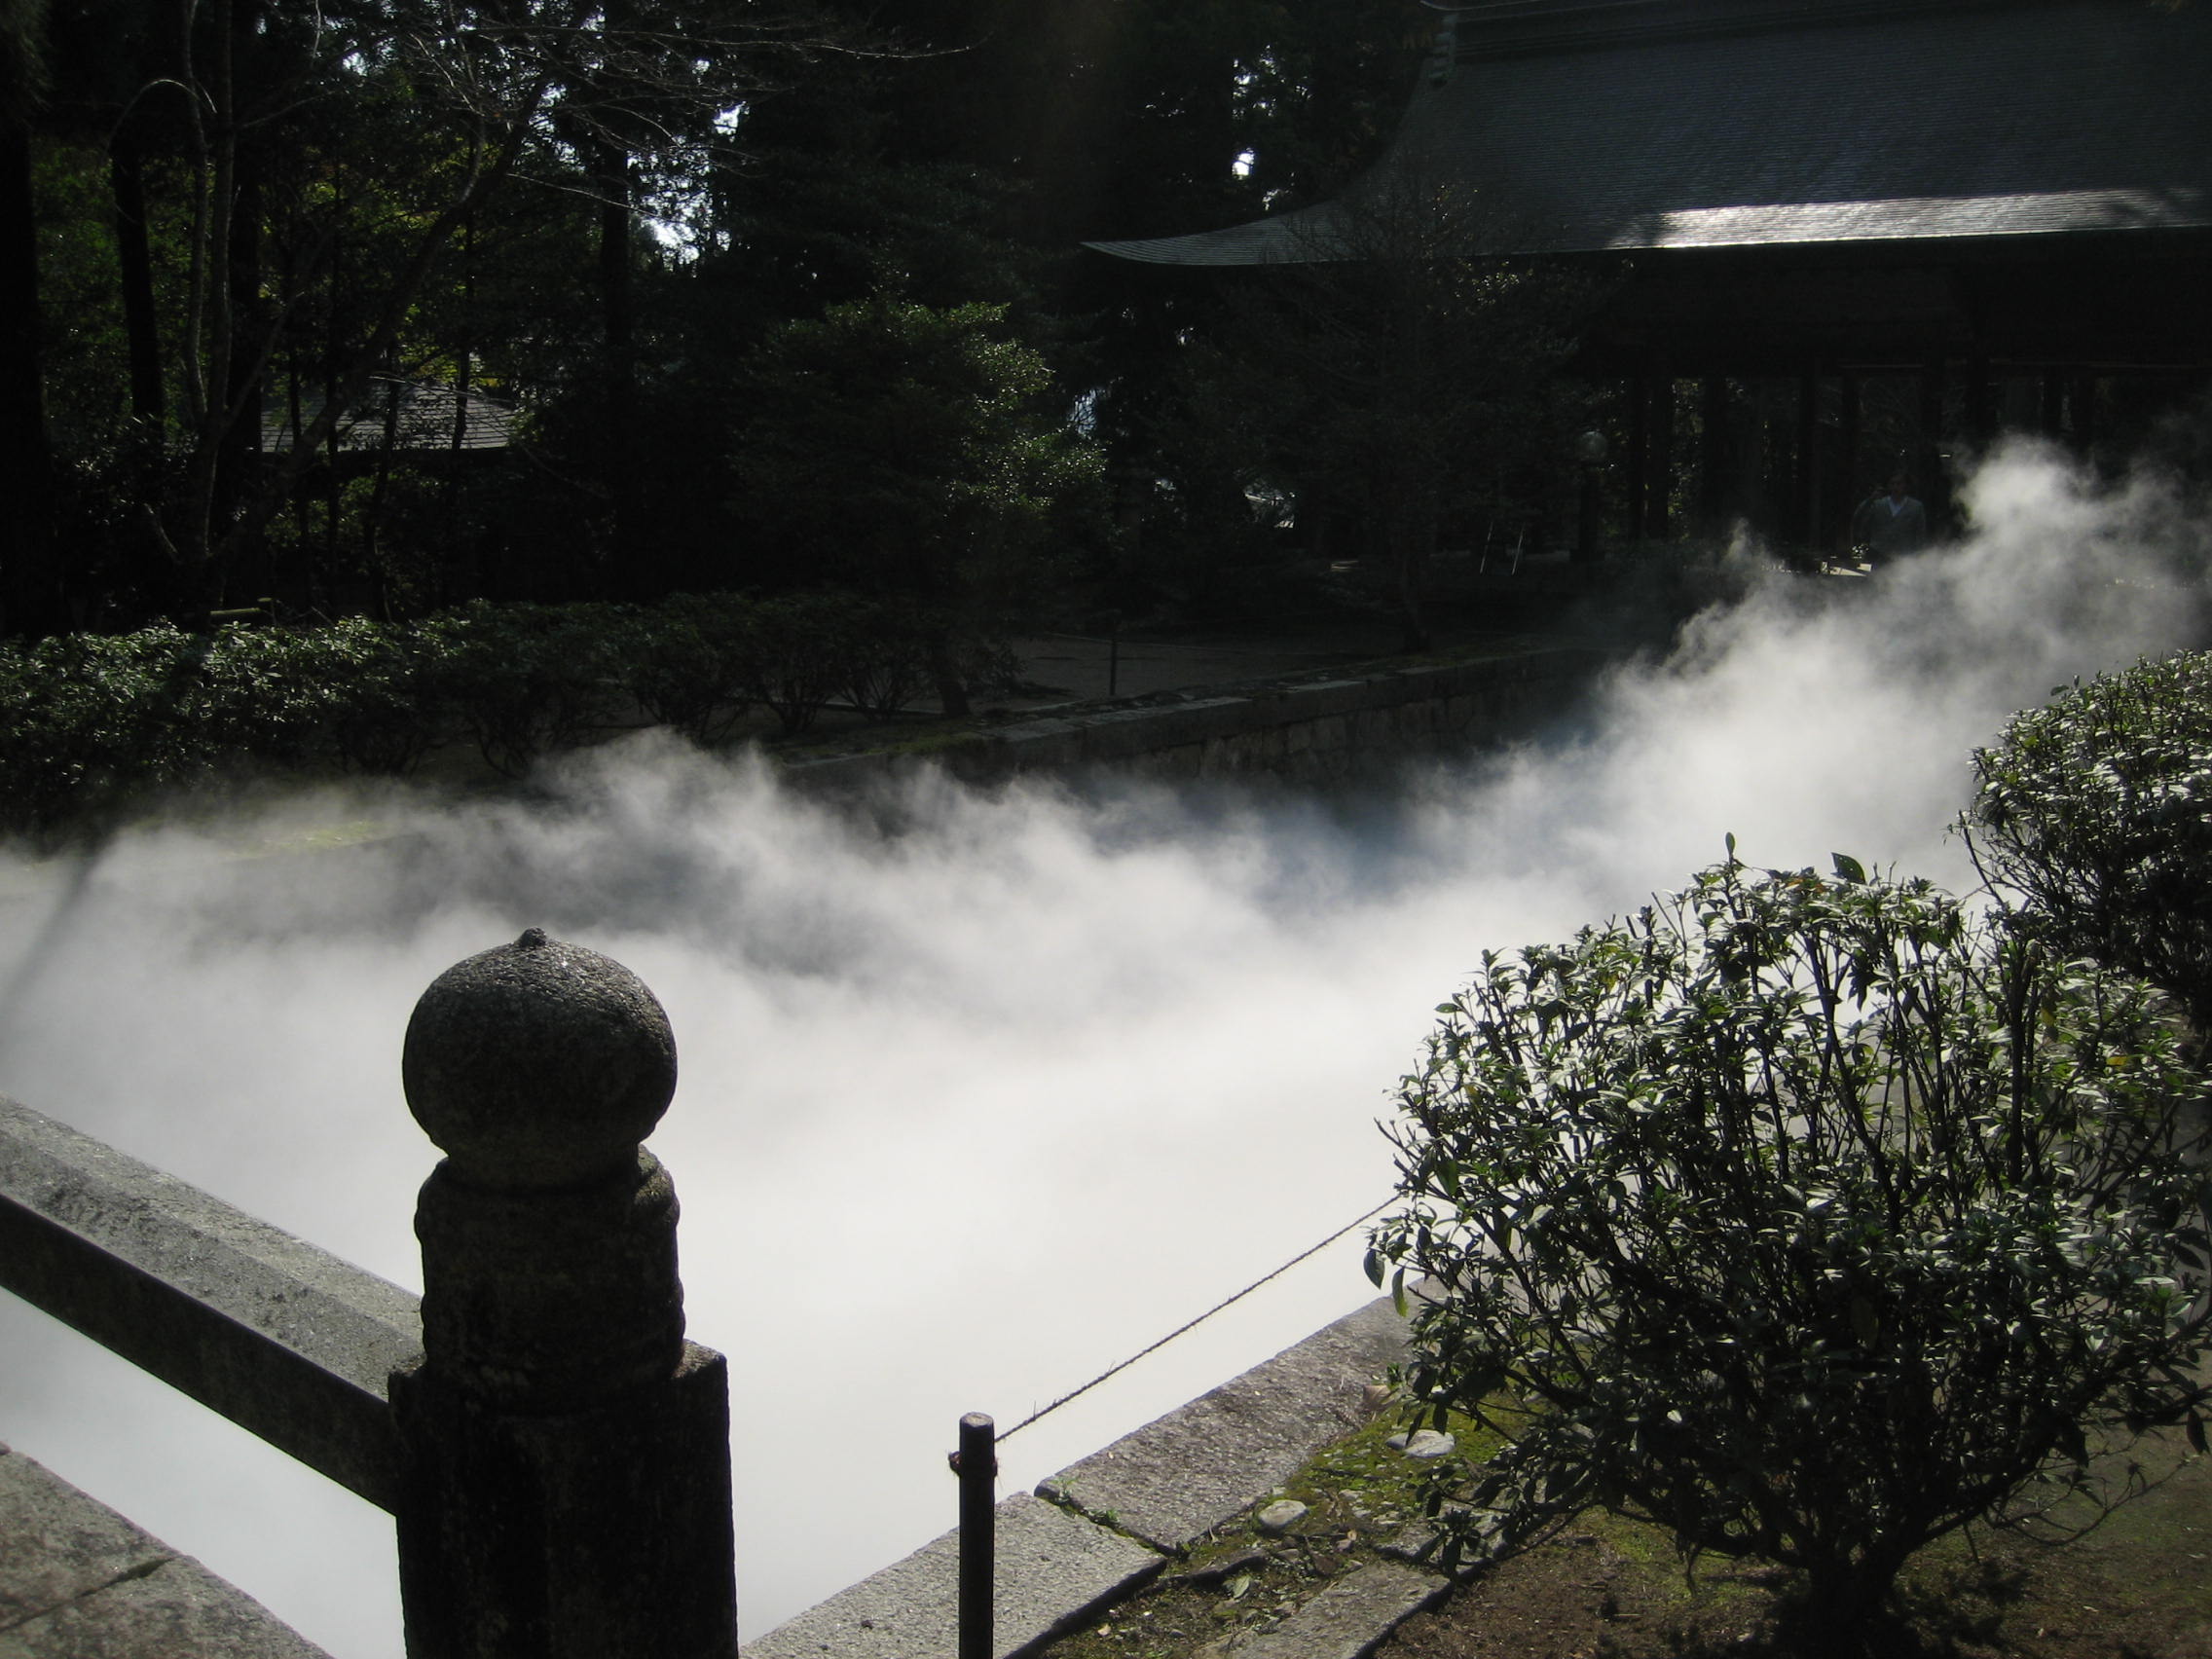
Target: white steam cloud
[{"x": 981, "y": 1092}]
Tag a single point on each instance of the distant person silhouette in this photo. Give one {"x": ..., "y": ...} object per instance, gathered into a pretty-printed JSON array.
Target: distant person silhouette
[{"x": 1891, "y": 523}]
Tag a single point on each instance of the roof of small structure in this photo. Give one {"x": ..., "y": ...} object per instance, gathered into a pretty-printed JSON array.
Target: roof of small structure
[
  {"x": 1584, "y": 125},
  {"x": 422, "y": 413}
]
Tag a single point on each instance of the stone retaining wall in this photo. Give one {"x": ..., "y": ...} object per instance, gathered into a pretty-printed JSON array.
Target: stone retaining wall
[{"x": 1316, "y": 729}]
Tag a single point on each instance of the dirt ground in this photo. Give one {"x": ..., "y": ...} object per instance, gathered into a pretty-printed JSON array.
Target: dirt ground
[{"x": 2135, "y": 1589}]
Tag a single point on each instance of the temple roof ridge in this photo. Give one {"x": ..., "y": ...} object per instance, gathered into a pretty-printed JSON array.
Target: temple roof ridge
[
  {"x": 1493, "y": 28},
  {"x": 1680, "y": 124}
]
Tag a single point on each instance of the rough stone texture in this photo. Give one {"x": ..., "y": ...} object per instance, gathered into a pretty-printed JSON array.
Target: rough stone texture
[
  {"x": 1053, "y": 1570},
  {"x": 543, "y": 1301},
  {"x": 1418, "y": 1542},
  {"x": 283, "y": 1339},
  {"x": 1348, "y": 1620},
  {"x": 539, "y": 1063},
  {"x": 78, "y": 1581},
  {"x": 1184, "y": 1473},
  {"x": 602, "y": 1533}
]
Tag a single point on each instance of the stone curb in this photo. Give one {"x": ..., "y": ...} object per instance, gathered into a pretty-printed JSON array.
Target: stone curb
[
  {"x": 1116, "y": 1516},
  {"x": 1490, "y": 694},
  {"x": 1178, "y": 1477},
  {"x": 1349, "y": 1620},
  {"x": 1053, "y": 1570}
]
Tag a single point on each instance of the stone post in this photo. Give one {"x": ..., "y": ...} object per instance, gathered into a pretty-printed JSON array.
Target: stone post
[{"x": 565, "y": 1471}]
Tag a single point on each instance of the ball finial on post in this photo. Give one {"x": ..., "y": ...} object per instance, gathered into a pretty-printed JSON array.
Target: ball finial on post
[
  {"x": 538, "y": 1065},
  {"x": 566, "y": 1484}
]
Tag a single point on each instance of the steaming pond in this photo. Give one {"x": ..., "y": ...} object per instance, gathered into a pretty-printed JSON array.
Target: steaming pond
[{"x": 972, "y": 1108}]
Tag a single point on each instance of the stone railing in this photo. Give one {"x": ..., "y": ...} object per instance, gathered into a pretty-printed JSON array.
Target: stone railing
[{"x": 554, "y": 1453}]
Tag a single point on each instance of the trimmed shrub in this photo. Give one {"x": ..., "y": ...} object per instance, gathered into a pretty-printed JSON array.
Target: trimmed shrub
[
  {"x": 1810, "y": 1219},
  {"x": 800, "y": 650},
  {"x": 90, "y": 723},
  {"x": 2095, "y": 813},
  {"x": 685, "y": 662},
  {"x": 521, "y": 681},
  {"x": 390, "y": 714}
]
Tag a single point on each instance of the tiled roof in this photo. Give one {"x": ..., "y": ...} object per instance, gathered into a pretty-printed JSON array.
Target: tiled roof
[
  {"x": 1574, "y": 126},
  {"x": 424, "y": 418}
]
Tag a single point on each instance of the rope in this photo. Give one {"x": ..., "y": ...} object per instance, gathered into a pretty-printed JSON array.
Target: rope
[{"x": 1226, "y": 1302}]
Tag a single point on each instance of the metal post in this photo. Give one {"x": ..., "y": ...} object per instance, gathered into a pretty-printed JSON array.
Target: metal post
[
  {"x": 564, "y": 1452},
  {"x": 977, "y": 1464}
]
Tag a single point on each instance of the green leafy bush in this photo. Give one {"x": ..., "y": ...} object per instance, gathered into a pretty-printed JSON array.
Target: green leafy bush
[
  {"x": 390, "y": 714},
  {"x": 2096, "y": 811},
  {"x": 885, "y": 654},
  {"x": 93, "y": 719},
  {"x": 1812, "y": 1219},
  {"x": 267, "y": 693},
  {"x": 522, "y": 680},
  {"x": 91, "y": 724},
  {"x": 799, "y": 649},
  {"x": 684, "y": 662}
]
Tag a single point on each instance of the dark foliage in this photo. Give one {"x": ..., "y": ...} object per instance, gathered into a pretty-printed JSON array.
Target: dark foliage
[
  {"x": 93, "y": 727},
  {"x": 2096, "y": 812}
]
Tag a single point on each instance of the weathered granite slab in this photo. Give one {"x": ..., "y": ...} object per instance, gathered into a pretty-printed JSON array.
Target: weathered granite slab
[
  {"x": 1053, "y": 1570},
  {"x": 1348, "y": 1620},
  {"x": 78, "y": 1581},
  {"x": 1182, "y": 1474},
  {"x": 281, "y": 1336}
]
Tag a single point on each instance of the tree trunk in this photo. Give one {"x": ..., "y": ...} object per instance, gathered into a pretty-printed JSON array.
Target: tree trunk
[
  {"x": 951, "y": 689},
  {"x": 134, "y": 260},
  {"x": 618, "y": 411},
  {"x": 1413, "y": 531},
  {"x": 30, "y": 578}
]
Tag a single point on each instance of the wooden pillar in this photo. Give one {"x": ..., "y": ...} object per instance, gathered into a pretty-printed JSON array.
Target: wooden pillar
[
  {"x": 1932, "y": 407},
  {"x": 1808, "y": 480},
  {"x": 1754, "y": 484},
  {"x": 1713, "y": 454},
  {"x": 1931, "y": 483},
  {"x": 1981, "y": 409},
  {"x": 1848, "y": 478},
  {"x": 2083, "y": 395},
  {"x": 565, "y": 1485},
  {"x": 1638, "y": 453}
]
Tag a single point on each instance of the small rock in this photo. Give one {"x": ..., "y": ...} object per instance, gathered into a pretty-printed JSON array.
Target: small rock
[
  {"x": 1279, "y": 1518},
  {"x": 1375, "y": 1397},
  {"x": 1397, "y": 1442},
  {"x": 1430, "y": 1443}
]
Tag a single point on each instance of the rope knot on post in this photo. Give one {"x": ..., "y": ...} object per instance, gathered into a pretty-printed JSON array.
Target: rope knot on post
[{"x": 567, "y": 1450}]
